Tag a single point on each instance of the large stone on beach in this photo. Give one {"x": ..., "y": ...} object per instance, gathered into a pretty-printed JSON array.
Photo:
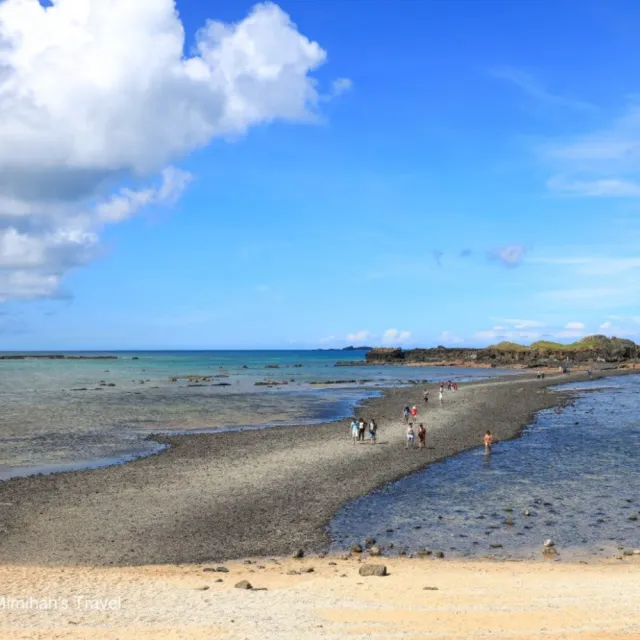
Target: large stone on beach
[
  {"x": 356, "y": 548},
  {"x": 299, "y": 554},
  {"x": 375, "y": 551},
  {"x": 243, "y": 584},
  {"x": 373, "y": 570}
]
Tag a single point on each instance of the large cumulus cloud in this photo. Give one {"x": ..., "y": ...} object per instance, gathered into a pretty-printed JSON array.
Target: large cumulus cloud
[{"x": 97, "y": 96}]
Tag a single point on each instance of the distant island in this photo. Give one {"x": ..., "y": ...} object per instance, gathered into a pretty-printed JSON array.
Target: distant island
[
  {"x": 592, "y": 349},
  {"x": 350, "y": 348},
  {"x": 55, "y": 356}
]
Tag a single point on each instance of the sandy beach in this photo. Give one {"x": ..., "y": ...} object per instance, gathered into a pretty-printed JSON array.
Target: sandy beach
[
  {"x": 253, "y": 493},
  {"x": 327, "y": 598}
]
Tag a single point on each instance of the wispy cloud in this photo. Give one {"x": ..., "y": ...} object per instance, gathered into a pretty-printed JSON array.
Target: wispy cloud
[
  {"x": 588, "y": 294},
  {"x": 517, "y": 323},
  {"x": 510, "y": 255},
  {"x": 395, "y": 337},
  {"x": 530, "y": 85},
  {"x": 611, "y": 187},
  {"x": 437, "y": 256},
  {"x": 358, "y": 336},
  {"x": 600, "y": 163},
  {"x": 450, "y": 338},
  {"x": 603, "y": 266},
  {"x": 340, "y": 86}
]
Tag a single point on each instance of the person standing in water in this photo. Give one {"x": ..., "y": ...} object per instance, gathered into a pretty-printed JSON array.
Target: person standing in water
[{"x": 488, "y": 441}]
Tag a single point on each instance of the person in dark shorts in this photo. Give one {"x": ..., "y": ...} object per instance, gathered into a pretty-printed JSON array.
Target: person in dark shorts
[
  {"x": 422, "y": 436},
  {"x": 373, "y": 431},
  {"x": 362, "y": 425}
]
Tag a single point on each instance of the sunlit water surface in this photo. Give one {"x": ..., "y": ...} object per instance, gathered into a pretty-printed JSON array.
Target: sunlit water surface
[
  {"x": 48, "y": 424},
  {"x": 576, "y": 472}
]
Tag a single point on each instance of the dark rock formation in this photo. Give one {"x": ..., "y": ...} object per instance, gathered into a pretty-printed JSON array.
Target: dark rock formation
[{"x": 539, "y": 354}]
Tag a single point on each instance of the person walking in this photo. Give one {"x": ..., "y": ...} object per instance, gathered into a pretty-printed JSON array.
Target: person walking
[
  {"x": 425, "y": 395},
  {"x": 422, "y": 436},
  {"x": 414, "y": 412},
  {"x": 406, "y": 412},
  {"x": 441, "y": 396},
  {"x": 373, "y": 430}
]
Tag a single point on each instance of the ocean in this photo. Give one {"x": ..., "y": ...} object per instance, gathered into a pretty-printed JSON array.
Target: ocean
[
  {"x": 573, "y": 476},
  {"x": 70, "y": 414}
]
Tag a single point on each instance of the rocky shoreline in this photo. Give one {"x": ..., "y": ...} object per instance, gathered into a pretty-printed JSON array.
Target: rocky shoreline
[
  {"x": 253, "y": 493},
  {"x": 590, "y": 351}
]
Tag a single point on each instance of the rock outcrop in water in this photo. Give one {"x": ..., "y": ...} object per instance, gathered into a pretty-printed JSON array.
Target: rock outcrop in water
[{"x": 591, "y": 349}]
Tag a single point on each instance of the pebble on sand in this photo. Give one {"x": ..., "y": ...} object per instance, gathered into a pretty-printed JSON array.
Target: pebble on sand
[{"x": 243, "y": 584}]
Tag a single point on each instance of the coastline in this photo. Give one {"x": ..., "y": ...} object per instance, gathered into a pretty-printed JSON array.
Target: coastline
[{"x": 254, "y": 493}]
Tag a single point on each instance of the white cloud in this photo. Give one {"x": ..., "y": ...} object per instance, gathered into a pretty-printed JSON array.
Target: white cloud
[
  {"x": 96, "y": 96},
  {"x": 593, "y": 265},
  {"x": 498, "y": 335},
  {"x": 340, "y": 86},
  {"x": 606, "y": 325},
  {"x": 532, "y": 87},
  {"x": 358, "y": 336},
  {"x": 448, "y": 337},
  {"x": 395, "y": 337},
  {"x": 587, "y": 294},
  {"x": 574, "y": 325},
  {"x": 609, "y": 187},
  {"x": 601, "y": 163},
  {"x": 510, "y": 255},
  {"x": 519, "y": 323}
]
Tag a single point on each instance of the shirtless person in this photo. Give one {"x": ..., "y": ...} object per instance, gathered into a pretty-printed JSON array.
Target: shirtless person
[
  {"x": 488, "y": 441},
  {"x": 425, "y": 395},
  {"x": 422, "y": 436}
]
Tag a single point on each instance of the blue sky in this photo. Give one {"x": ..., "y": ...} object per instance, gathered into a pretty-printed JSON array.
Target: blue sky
[{"x": 467, "y": 172}]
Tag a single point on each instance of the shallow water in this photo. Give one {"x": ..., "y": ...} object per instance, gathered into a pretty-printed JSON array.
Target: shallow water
[
  {"x": 45, "y": 425},
  {"x": 576, "y": 471}
]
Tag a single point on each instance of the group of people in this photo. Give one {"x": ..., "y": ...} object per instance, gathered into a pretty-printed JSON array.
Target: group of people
[
  {"x": 359, "y": 427},
  {"x": 451, "y": 386},
  {"x": 359, "y": 430},
  {"x": 411, "y": 436}
]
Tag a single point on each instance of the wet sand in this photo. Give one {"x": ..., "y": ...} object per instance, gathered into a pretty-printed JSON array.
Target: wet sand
[
  {"x": 253, "y": 493},
  {"x": 420, "y": 599}
]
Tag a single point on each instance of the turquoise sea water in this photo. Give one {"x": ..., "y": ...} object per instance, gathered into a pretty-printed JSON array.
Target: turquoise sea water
[
  {"x": 47, "y": 424},
  {"x": 573, "y": 476}
]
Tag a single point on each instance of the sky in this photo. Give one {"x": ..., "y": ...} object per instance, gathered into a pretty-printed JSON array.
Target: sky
[{"x": 317, "y": 173}]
